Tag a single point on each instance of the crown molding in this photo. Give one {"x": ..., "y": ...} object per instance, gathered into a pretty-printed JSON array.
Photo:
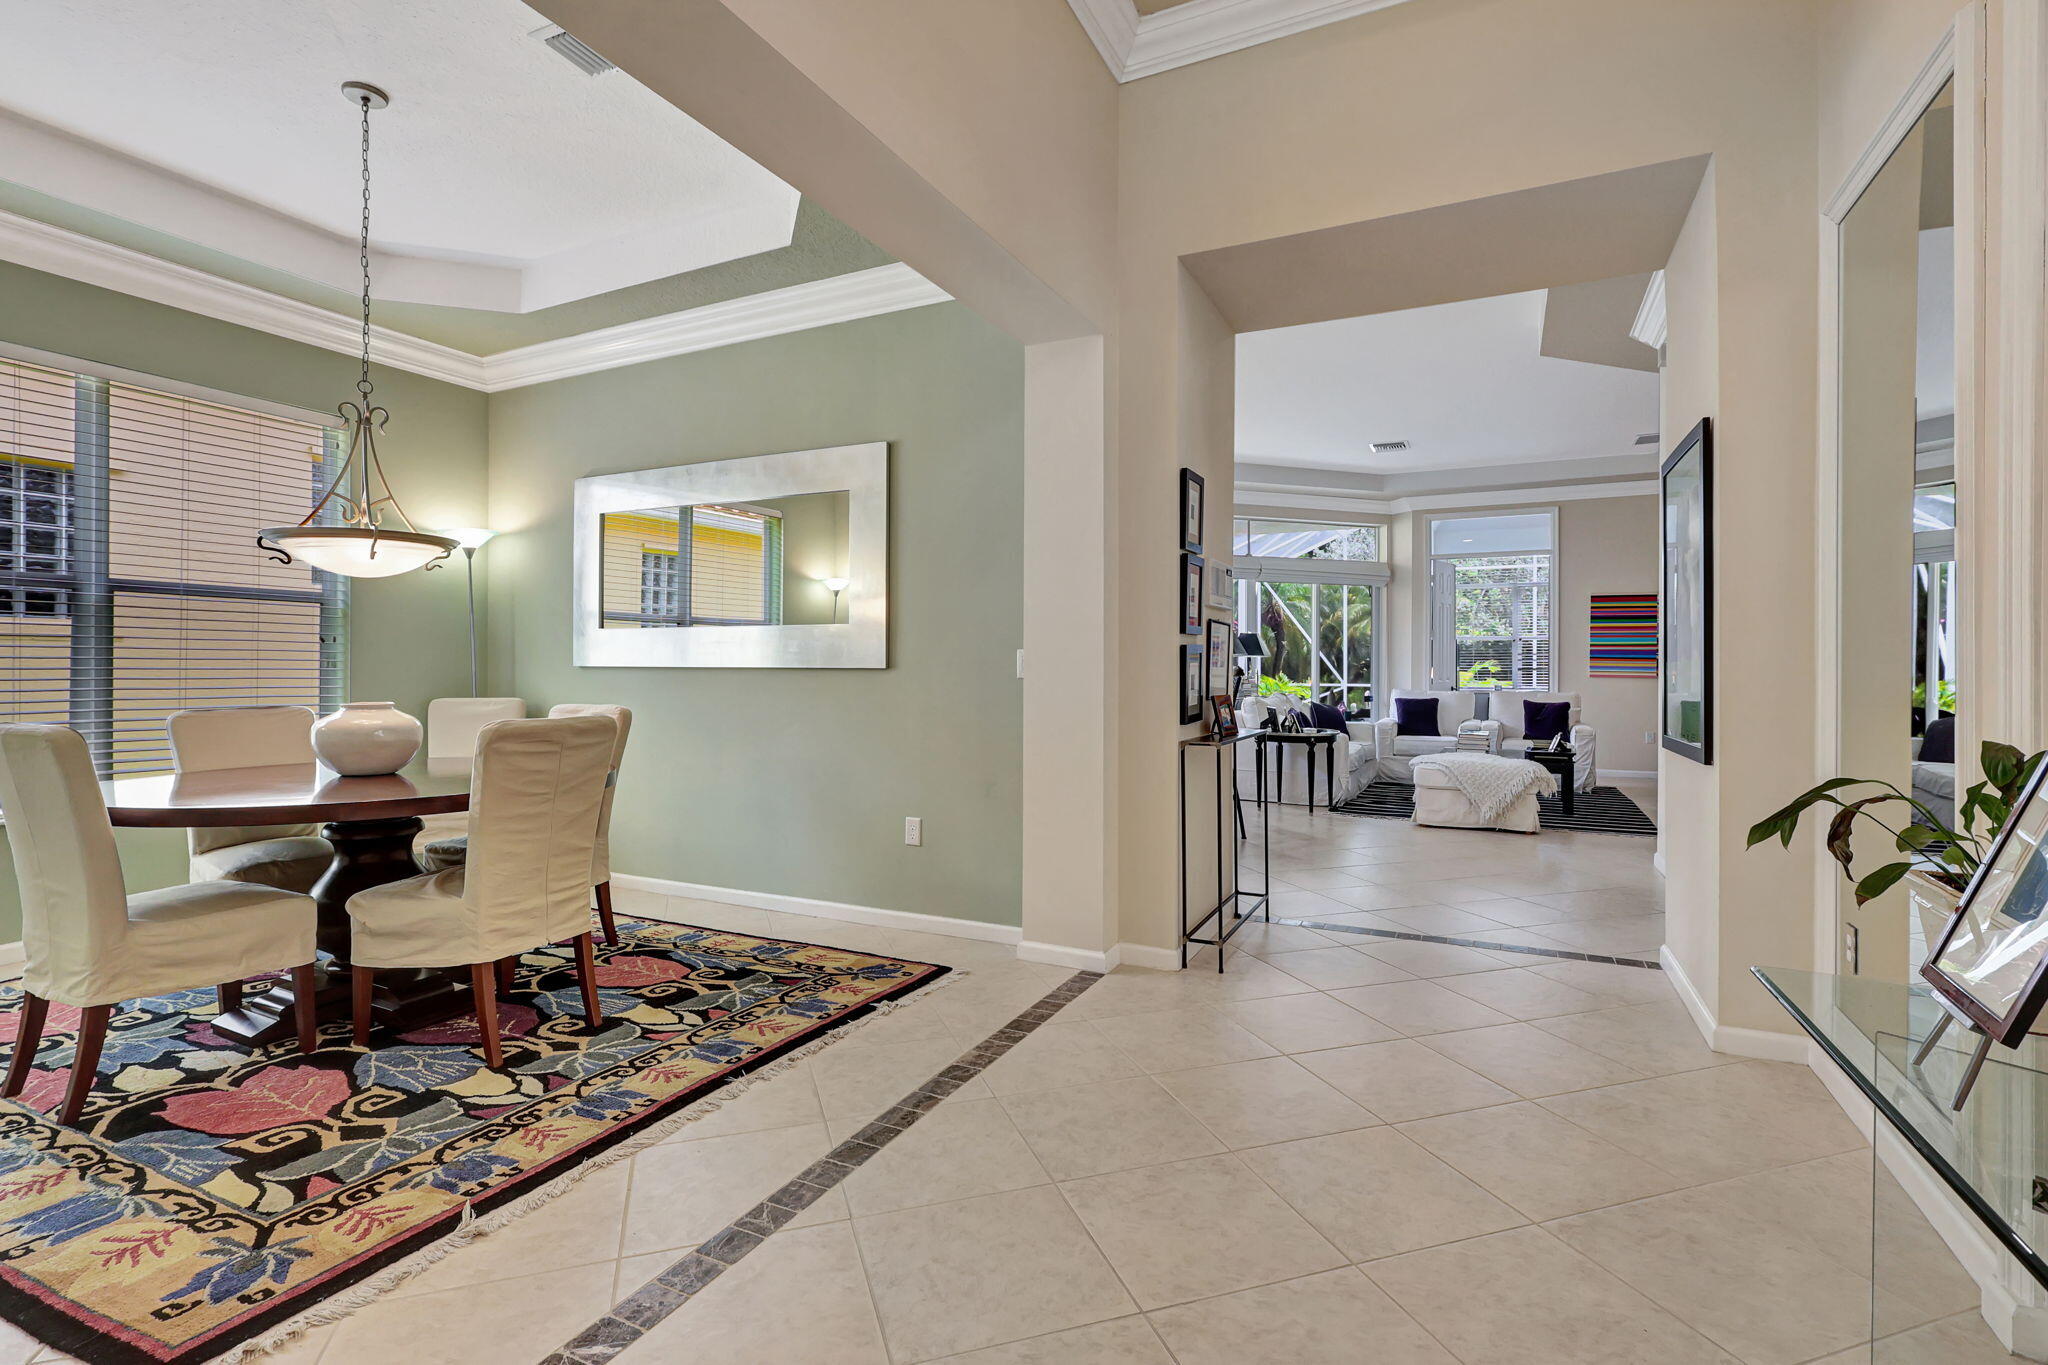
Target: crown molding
[
  {"x": 821, "y": 303},
  {"x": 1332, "y": 500},
  {"x": 1651, "y": 327},
  {"x": 1135, "y": 45},
  {"x": 59, "y": 251}
]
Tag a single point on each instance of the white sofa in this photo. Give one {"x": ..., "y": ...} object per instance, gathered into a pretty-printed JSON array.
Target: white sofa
[
  {"x": 1934, "y": 785},
  {"x": 1392, "y": 750},
  {"x": 1353, "y": 754},
  {"x": 1504, "y": 722}
]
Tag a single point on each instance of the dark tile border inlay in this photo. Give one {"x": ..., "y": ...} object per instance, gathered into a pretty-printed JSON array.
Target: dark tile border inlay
[
  {"x": 1565, "y": 953},
  {"x": 631, "y": 1317}
]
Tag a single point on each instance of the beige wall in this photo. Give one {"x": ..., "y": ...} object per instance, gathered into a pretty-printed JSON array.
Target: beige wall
[{"x": 1267, "y": 142}]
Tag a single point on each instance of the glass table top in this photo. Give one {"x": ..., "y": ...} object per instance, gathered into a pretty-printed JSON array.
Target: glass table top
[{"x": 1993, "y": 1153}]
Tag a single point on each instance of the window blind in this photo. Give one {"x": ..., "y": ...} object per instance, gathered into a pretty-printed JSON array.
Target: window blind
[
  {"x": 735, "y": 558},
  {"x": 130, "y": 581}
]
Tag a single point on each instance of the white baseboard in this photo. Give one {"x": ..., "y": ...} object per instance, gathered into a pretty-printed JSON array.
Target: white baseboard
[
  {"x": 817, "y": 909},
  {"x": 1762, "y": 1044},
  {"x": 1059, "y": 955},
  {"x": 1630, "y": 773},
  {"x": 1657, "y": 862},
  {"x": 1142, "y": 955}
]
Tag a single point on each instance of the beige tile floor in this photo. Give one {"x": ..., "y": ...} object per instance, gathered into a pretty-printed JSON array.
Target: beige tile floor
[{"x": 1341, "y": 1150}]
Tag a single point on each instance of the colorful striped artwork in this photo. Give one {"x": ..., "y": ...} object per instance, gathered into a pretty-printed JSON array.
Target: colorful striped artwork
[{"x": 1624, "y": 635}]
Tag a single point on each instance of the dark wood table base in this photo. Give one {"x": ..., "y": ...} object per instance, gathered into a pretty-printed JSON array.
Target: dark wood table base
[{"x": 367, "y": 853}]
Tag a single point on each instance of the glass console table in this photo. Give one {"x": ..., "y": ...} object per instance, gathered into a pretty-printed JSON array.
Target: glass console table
[{"x": 1992, "y": 1154}]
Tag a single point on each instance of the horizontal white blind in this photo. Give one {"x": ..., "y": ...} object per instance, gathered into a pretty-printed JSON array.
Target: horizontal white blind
[{"x": 164, "y": 600}]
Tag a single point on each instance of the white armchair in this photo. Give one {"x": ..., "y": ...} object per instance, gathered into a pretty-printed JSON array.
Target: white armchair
[
  {"x": 1504, "y": 724},
  {"x": 1393, "y": 750}
]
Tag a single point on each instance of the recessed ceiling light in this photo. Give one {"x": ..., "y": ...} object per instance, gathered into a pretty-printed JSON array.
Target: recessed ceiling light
[
  {"x": 1648, "y": 438},
  {"x": 1382, "y": 447}
]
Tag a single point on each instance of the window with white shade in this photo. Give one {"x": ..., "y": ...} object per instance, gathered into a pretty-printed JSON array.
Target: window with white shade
[
  {"x": 1490, "y": 586},
  {"x": 131, "y": 585}
]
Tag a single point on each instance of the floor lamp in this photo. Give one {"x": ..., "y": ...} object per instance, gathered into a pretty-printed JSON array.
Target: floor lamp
[{"x": 471, "y": 539}]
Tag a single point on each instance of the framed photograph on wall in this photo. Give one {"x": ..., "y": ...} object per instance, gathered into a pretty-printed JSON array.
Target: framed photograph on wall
[
  {"x": 1190, "y": 594},
  {"x": 1991, "y": 964},
  {"x": 1222, "y": 587},
  {"x": 1221, "y": 638},
  {"x": 1191, "y": 684},
  {"x": 1687, "y": 620},
  {"x": 1193, "y": 494}
]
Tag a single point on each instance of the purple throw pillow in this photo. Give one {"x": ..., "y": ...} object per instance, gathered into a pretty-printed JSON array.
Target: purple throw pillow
[
  {"x": 1545, "y": 720},
  {"x": 1325, "y": 717},
  {"x": 1938, "y": 745},
  {"x": 1415, "y": 716}
]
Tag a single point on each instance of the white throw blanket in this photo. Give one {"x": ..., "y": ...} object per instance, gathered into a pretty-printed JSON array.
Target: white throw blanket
[{"x": 1490, "y": 783}]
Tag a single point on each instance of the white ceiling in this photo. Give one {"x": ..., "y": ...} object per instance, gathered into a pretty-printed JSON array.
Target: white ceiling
[
  {"x": 505, "y": 177},
  {"x": 1463, "y": 383}
]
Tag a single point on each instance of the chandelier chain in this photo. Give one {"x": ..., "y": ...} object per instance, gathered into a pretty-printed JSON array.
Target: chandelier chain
[{"x": 363, "y": 385}]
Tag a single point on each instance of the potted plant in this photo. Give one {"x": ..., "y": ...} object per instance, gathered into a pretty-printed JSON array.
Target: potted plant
[{"x": 1939, "y": 860}]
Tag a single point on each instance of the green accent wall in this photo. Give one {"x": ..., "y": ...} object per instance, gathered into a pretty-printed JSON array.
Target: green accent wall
[
  {"x": 408, "y": 636},
  {"x": 796, "y": 781}
]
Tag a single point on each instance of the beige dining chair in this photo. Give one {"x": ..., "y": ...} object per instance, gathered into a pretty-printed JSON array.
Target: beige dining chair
[
  {"x": 90, "y": 944},
  {"x": 534, "y": 803},
  {"x": 451, "y": 850},
  {"x": 453, "y": 723},
  {"x": 208, "y": 739}
]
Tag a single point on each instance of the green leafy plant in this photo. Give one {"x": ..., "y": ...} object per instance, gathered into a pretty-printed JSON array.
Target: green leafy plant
[
  {"x": 2006, "y": 771},
  {"x": 1270, "y": 686},
  {"x": 1485, "y": 673},
  {"x": 1944, "y": 692}
]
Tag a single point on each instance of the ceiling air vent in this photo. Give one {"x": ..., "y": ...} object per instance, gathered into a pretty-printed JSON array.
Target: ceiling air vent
[
  {"x": 1648, "y": 438},
  {"x": 1388, "y": 447},
  {"x": 574, "y": 50}
]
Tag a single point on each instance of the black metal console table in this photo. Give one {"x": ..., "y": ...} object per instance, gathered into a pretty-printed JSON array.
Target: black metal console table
[{"x": 1240, "y": 904}]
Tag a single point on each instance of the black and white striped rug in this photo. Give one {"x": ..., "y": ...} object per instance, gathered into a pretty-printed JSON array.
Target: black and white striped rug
[{"x": 1603, "y": 810}]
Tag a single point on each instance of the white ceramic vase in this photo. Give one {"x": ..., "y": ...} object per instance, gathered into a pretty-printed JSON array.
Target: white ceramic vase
[{"x": 366, "y": 738}]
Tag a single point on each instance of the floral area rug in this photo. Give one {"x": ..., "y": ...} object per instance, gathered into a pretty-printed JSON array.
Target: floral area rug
[{"x": 210, "y": 1194}]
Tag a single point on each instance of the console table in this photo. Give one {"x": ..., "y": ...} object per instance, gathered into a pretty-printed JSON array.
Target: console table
[
  {"x": 1992, "y": 1153},
  {"x": 1238, "y": 905}
]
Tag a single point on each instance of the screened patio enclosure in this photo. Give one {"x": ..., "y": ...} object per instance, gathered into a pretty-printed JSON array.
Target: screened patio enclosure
[{"x": 1311, "y": 593}]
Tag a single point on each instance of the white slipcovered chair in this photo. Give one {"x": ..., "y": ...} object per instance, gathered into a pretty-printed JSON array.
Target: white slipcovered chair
[
  {"x": 1288, "y": 776},
  {"x": 1504, "y": 723},
  {"x": 1392, "y": 750},
  {"x": 290, "y": 857},
  {"x": 533, "y": 814},
  {"x": 90, "y": 944},
  {"x": 453, "y": 723},
  {"x": 452, "y": 850}
]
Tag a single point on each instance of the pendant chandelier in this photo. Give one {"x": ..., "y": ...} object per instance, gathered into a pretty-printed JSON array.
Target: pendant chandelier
[{"x": 360, "y": 544}]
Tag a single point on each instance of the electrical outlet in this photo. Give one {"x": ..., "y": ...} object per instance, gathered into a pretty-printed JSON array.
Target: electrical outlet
[
  {"x": 913, "y": 830},
  {"x": 1849, "y": 948},
  {"x": 1649, "y": 736},
  {"x": 1020, "y": 663}
]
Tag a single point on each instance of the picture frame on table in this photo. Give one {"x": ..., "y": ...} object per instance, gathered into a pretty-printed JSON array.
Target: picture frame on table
[
  {"x": 1222, "y": 717},
  {"x": 1991, "y": 964},
  {"x": 1190, "y": 594},
  {"x": 1191, "y": 680},
  {"x": 1194, "y": 495},
  {"x": 1221, "y": 637}
]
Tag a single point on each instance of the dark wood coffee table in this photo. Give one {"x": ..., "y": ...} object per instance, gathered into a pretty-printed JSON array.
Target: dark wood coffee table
[
  {"x": 371, "y": 821},
  {"x": 1564, "y": 764}
]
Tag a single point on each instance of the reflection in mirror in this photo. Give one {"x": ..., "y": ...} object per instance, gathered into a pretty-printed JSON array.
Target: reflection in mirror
[
  {"x": 781, "y": 562},
  {"x": 1897, "y": 689}
]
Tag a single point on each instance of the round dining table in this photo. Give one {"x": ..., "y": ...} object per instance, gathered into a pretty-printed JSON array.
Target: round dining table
[{"x": 370, "y": 821}]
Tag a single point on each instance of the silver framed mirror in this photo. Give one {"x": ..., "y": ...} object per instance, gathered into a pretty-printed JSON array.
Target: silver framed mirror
[{"x": 768, "y": 561}]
